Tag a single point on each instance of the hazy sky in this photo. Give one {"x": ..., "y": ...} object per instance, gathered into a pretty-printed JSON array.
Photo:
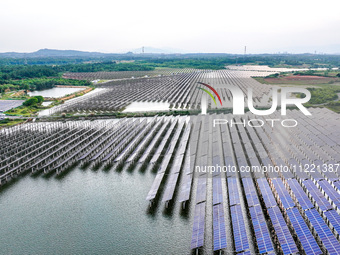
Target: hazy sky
[{"x": 192, "y": 26}]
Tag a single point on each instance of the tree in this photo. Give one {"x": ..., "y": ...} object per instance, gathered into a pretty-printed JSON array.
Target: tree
[
  {"x": 31, "y": 101},
  {"x": 338, "y": 75},
  {"x": 40, "y": 99}
]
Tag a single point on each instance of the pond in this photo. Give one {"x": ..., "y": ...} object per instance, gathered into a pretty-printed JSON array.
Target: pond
[
  {"x": 147, "y": 107},
  {"x": 89, "y": 212},
  {"x": 55, "y": 92}
]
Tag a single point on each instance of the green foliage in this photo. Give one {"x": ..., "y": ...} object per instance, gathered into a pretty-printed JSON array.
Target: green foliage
[
  {"x": 31, "y": 101},
  {"x": 40, "y": 99},
  {"x": 197, "y": 63},
  {"x": 309, "y": 72},
  {"x": 274, "y": 75},
  {"x": 41, "y": 83},
  {"x": 322, "y": 95},
  {"x": 338, "y": 75}
]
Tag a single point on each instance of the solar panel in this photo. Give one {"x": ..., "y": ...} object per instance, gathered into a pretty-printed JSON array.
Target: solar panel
[
  {"x": 266, "y": 192},
  {"x": 286, "y": 240},
  {"x": 317, "y": 195},
  {"x": 155, "y": 186},
  {"x": 337, "y": 184},
  {"x": 197, "y": 239},
  {"x": 305, "y": 236},
  {"x": 333, "y": 195},
  {"x": 220, "y": 240},
  {"x": 328, "y": 239},
  {"x": 284, "y": 196},
  {"x": 233, "y": 191},
  {"x": 201, "y": 191},
  {"x": 334, "y": 219},
  {"x": 239, "y": 230},
  {"x": 250, "y": 191},
  {"x": 217, "y": 190},
  {"x": 300, "y": 195},
  {"x": 262, "y": 234}
]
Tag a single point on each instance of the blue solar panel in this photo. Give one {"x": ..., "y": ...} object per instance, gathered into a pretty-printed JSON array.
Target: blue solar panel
[
  {"x": 334, "y": 219},
  {"x": 317, "y": 195},
  {"x": 197, "y": 239},
  {"x": 285, "y": 238},
  {"x": 266, "y": 192},
  {"x": 337, "y": 184},
  {"x": 328, "y": 239},
  {"x": 305, "y": 236},
  {"x": 331, "y": 192},
  {"x": 217, "y": 190},
  {"x": 239, "y": 229},
  {"x": 284, "y": 196},
  {"x": 220, "y": 240},
  {"x": 250, "y": 191},
  {"x": 261, "y": 231},
  {"x": 233, "y": 191},
  {"x": 201, "y": 192},
  {"x": 300, "y": 195}
]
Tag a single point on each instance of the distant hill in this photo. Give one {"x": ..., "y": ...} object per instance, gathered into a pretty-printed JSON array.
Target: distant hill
[{"x": 52, "y": 53}]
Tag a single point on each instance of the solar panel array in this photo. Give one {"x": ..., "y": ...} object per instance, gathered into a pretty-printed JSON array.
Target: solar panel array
[
  {"x": 239, "y": 229},
  {"x": 306, "y": 238},
  {"x": 266, "y": 210},
  {"x": 180, "y": 90}
]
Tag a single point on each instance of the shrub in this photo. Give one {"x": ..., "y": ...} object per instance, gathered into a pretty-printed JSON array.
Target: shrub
[{"x": 31, "y": 101}]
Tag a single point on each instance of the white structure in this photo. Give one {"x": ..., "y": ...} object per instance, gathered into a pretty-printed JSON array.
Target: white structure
[{"x": 2, "y": 115}]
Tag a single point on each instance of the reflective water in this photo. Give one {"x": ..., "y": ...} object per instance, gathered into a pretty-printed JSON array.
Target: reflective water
[
  {"x": 89, "y": 212},
  {"x": 147, "y": 107},
  {"x": 47, "y": 103},
  {"x": 55, "y": 92}
]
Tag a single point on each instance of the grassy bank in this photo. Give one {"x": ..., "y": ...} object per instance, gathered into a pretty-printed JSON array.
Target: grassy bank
[{"x": 10, "y": 122}]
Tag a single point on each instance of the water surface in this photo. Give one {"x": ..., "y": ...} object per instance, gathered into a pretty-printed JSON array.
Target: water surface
[
  {"x": 88, "y": 212},
  {"x": 54, "y": 92}
]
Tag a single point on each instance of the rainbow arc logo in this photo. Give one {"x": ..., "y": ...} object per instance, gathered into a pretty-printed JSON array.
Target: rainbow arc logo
[{"x": 209, "y": 93}]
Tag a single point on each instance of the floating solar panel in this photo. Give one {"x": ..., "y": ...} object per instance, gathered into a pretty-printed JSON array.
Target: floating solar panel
[
  {"x": 285, "y": 238},
  {"x": 337, "y": 185},
  {"x": 220, "y": 240},
  {"x": 333, "y": 195},
  {"x": 266, "y": 192},
  {"x": 217, "y": 190},
  {"x": 186, "y": 188},
  {"x": 234, "y": 197},
  {"x": 305, "y": 236},
  {"x": 197, "y": 239},
  {"x": 325, "y": 234},
  {"x": 284, "y": 196},
  {"x": 170, "y": 187},
  {"x": 262, "y": 234},
  {"x": 155, "y": 186},
  {"x": 300, "y": 195},
  {"x": 317, "y": 195},
  {"x": 334, "y": 219},
  {"x": 201, "y": 192},
  {"x": 250, "y": 191},
  {"x": 239, "y": 229}
]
